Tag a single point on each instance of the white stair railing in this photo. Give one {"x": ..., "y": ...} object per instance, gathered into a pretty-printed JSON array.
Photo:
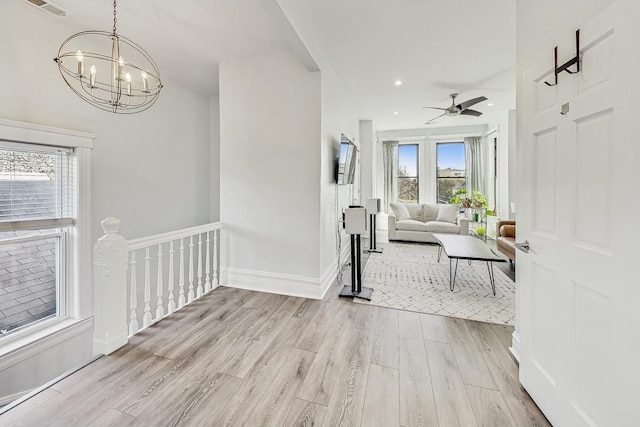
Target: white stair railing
[{"x": 118, "y": 290}]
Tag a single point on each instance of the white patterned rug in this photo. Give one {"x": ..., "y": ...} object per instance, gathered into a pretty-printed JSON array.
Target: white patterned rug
[{"x": 408, "y": 277}]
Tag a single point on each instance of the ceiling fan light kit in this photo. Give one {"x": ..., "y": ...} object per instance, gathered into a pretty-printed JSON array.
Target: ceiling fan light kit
[
  {"x": 122, "y": 79},
  {"x": 458, "y": 109}
]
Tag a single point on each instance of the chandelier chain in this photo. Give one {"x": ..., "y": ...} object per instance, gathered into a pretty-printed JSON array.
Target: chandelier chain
[{"x": 115, "y": 17}]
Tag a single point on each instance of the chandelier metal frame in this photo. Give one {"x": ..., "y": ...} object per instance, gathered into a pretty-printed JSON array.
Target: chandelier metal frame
[{"x": 119, "y": 94}]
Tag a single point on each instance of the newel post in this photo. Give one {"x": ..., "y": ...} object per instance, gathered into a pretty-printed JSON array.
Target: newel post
[{"x": 110, "y": 277}]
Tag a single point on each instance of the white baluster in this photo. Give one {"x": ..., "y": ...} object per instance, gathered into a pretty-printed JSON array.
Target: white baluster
[
  {"x": 191, "y": 294},
  {"x": 146, "y": 318},
  {"x": 199, "y": 289},
  {"x": 207, "y": 280},
  {"x": 159, "y": 287},
  {"x": 181, "y": 301},
  {"x": 215, "y": 259},
  {"x": 133, "y": 299},
  {"x": 171, "y": 306}
]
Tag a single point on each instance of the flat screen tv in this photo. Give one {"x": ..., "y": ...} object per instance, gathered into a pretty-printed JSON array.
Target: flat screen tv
[{"x": 346, "y": 162}]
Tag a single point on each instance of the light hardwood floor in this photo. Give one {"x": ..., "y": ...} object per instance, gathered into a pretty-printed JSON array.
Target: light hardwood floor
[{"x": 236, "y": 357}]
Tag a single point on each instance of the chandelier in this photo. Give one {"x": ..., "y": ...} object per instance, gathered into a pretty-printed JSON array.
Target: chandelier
[{"x": 124, "y": 79}]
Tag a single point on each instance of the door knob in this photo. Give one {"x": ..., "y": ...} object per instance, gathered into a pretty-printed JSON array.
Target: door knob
[{"x": 524, "y": 246}]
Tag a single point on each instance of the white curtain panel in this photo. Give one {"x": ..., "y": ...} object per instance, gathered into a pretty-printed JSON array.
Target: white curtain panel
[
  {"x": 390, "y": 165},
  {"x": 474, "y": 164}
]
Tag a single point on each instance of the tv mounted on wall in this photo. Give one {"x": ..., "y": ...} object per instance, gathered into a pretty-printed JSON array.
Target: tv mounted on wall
[{"x": 346, "y": 162}]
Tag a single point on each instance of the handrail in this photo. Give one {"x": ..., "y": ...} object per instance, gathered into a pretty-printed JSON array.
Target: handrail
[{"x": 144, "y": 242}]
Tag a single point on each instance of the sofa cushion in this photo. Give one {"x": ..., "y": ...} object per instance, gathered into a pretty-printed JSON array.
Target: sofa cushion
[
  {"x": 448, "y": 213},
  {"x": 442, "y": 227},
  {"x": 431, "y": 212},
  {"x": 415, "y": 211},
  {"x": 508, "y": 231},
  {"x": 411, "y": 225},
  {"x": 400, "y": 211}
]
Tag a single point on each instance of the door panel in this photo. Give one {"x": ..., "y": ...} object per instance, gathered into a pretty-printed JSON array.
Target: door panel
[
  {"x": 564, "y": 287},
  {"x": 590, "y": 329},
  {"x": 544, "y": 181},
  {"x": 593, "y": 144}
]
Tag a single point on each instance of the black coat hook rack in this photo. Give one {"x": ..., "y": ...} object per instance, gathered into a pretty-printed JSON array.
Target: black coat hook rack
[{"x": 565, "y": 67}]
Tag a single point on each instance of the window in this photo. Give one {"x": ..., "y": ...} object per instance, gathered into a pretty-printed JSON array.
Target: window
[
  {"x": 408, "y": 173},
  {"x": 37, "y": 212},
  {"x": 451, "y": 174}
]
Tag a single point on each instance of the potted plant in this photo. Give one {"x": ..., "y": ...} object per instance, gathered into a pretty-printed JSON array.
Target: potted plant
[
  {"x": 478, "y": 200},
  {"x": 459, "y": 197}
]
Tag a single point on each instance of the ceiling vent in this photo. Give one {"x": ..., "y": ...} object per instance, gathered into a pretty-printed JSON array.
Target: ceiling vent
[{"x": 48, "y": 6}]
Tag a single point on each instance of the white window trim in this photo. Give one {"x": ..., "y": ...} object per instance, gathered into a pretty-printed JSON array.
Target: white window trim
[{"x": 78, "y": 299}]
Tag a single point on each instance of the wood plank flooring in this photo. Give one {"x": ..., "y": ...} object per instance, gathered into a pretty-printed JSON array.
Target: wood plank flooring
[{"x": 237, "y": 358}]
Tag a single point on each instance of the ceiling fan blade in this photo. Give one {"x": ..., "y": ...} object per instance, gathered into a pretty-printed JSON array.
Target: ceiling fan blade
[
  {"x": 469, "y": 112},
  {"x": 436, "y": 108},
  {"x": 431, "y": 120},
  {"x": 466, "y": 104}
]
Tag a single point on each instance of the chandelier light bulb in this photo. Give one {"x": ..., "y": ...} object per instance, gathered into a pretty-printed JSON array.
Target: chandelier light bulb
[
  {"x": 145, "y": 83},
  {"x": 80, "y": 59},
  {"x": 92, "y": 76},
  {"x": 128, "y": 79}
]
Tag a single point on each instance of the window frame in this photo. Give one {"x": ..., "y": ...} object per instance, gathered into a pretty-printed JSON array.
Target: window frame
[
  {"x": 437, "y": 178},
  {"x": 417, "y": 176},
  {"x": 77, "y": 296}
]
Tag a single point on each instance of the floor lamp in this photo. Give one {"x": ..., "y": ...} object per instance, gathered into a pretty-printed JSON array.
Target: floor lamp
[
  {"x": 373, "y": 207},
  {"x": 355, "y": 224}
]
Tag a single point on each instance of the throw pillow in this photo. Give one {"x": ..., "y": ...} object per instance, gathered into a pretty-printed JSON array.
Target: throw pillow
[
  {"x": 400, "y": 211},
  {"x": 430, "y": 212},
  {"x": 415, "y": 211},
  {"x": 448, "y": 213},
  {"x": 508, "y": 231}
]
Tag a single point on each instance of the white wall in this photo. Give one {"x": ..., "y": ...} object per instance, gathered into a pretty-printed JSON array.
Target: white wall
[
  {"x": 504, "y": 133},
  {"x": 337, "y": 119},
  {"x": 269, "y": 177},
  {"x": 151, "y": 169},
  {"x": 214, "y": 108}
]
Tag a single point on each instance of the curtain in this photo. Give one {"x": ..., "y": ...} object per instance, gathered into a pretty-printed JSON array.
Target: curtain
[
  {"x": 390, "y": 166},
  {"x": 474, "y": 165}
]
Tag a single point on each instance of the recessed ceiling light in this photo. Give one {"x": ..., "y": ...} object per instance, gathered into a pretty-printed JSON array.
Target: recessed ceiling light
[
  {"x": 398, "y": 82},
  {"x": 490, "y": 104},
  {"x": 396, "y": 113}
]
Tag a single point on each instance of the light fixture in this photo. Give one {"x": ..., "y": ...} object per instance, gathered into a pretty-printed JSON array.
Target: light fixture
[
  {"x": 396, "y": 112},
  {"x": 490, "y": 104},
  {"x": 398, "y": 83},
  {"x": 124, "y": 79}
]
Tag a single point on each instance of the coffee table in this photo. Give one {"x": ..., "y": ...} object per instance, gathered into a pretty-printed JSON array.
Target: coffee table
[{"x": 459, "y": 247}]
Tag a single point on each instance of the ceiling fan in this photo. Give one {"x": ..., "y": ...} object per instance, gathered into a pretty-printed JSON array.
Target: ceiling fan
[{"x": 459, "y": 109}]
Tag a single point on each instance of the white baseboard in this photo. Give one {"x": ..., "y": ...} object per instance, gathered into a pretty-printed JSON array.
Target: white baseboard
[
  {"x": 284, "y": 284},
  {"x": 275, "y": 283},
  {"x": 515, "y": 345}
]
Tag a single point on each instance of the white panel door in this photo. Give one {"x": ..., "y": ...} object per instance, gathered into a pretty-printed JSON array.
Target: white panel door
[{"x": 565, "y": 290}]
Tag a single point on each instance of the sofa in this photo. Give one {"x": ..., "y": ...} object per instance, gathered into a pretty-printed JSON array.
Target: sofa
[
  {"x": 417, "y": 222},
  {"x": 506, "y": 239}
]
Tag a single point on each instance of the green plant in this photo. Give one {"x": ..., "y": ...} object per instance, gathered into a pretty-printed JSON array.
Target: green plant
[
  {"x": 491, "y": 213},
  {"x": 459, "y": 197},
  {"x": 478, "y": 200}
]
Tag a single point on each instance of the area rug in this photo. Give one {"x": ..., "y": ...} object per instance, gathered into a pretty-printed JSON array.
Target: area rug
[{"x": 409, "y": 277}]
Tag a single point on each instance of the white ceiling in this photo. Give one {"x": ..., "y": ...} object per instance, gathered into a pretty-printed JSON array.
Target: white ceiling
[{"x": 435, "y": 47}]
